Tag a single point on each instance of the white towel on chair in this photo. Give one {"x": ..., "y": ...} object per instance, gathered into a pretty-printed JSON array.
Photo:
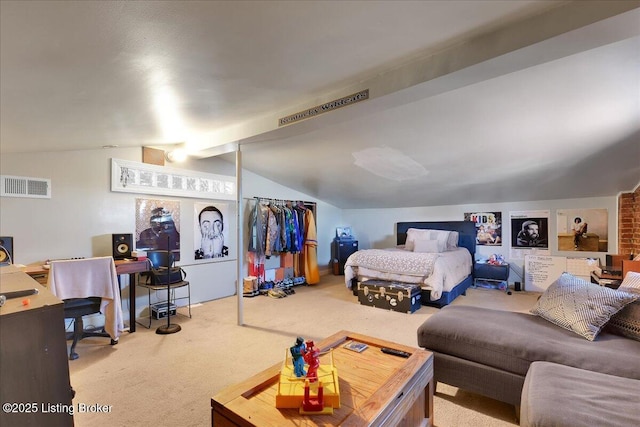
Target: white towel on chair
[{"x": 90, "y": 277}]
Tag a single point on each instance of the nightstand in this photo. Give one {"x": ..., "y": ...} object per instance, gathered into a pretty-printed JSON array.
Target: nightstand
[{"x": 495, "y": 275}]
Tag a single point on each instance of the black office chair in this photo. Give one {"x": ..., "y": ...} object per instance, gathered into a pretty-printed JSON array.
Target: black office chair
[
  {"x": 76, "y": 308},
  {"x": 82, "y": 285}
]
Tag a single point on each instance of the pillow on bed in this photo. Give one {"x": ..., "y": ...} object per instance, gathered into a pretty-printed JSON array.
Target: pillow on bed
[
  {"x": 627, "y": 321},
  {"x": 414, "y": 234},
  {"x": 452, "y": 243},
  {"x": 447, "y": 240},
  {"x": 443, "y": 238},
  {"x": 579, "y": 306},
  {"x": 427, "y": 246}
]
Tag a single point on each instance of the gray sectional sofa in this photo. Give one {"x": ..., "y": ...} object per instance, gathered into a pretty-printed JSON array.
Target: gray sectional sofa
[{"x": 490, "y": 352}]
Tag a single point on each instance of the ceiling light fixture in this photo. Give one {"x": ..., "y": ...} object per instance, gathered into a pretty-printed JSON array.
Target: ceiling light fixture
[{"x": 177, "y": 156}]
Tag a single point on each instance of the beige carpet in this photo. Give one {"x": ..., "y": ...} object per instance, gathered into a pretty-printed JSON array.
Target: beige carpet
[{"x": 168, "y": 380}]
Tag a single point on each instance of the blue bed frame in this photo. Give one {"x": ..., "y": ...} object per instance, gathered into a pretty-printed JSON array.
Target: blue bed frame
[{"x": 466, "y": 238}]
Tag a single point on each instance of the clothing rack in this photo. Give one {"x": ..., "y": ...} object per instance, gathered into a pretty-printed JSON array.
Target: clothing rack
[
  {"x": 306, "y": 204},
  {"x": 278, "y": 236}
]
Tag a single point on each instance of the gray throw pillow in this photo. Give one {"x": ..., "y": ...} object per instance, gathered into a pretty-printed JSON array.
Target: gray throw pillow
[
  {"x": 579, "y": 306},
  {"x": 627, "y": 321}
]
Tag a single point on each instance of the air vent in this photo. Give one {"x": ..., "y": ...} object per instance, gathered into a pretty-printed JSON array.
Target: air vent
[{"x": 21, "y": 186}]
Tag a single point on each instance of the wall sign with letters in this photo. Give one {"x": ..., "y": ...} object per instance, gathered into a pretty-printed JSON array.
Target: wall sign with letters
[
  {"x": 326, "y": 107},
  {"x": 135, "y": 177}
]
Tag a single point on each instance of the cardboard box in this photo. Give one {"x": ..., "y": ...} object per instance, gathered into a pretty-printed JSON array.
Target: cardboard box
[
  {"x": 270, "y": 275},
  {"x": 395, "y": 296},
  {"x": 279, "y": 274},
  {"x": 286, "y": 260},
  {"x": 254, "y": 269},
  {"x": 288, "y": 273}
]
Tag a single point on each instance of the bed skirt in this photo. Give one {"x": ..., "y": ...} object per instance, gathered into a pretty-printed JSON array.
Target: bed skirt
[{"x": 447, "y": 297}]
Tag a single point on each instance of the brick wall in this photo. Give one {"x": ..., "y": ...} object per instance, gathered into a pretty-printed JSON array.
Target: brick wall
[{"x": 629, "y": 223}]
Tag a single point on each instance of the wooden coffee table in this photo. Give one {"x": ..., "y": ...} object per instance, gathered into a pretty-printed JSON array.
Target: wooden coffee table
[{"x": 376, "y": 389}]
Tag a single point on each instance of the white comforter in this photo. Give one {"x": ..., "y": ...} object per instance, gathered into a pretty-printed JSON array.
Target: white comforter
[{"x": 448, "y": 270}]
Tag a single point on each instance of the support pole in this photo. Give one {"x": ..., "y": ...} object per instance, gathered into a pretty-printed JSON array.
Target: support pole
[{"x": 240, "y": 237}]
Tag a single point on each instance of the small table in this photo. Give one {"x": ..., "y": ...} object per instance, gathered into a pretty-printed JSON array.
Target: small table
[
  {"x": 131, "y": 267},
  {"x": 376, "y": 389},
  {"x": 496, "y": 273}
]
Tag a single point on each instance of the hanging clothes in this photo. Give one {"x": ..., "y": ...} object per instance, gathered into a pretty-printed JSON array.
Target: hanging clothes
[
  {"x": 298, "y": 223},
  {"x": 274, "y": 246},
  {"x": 310, "y": 255},
  {"x": 257, "y": 230}
]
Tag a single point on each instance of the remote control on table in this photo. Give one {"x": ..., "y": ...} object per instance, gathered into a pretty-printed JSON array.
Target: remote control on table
[
  {"x": 19, "y": 294},
  {"x": 395, "y": 352}
]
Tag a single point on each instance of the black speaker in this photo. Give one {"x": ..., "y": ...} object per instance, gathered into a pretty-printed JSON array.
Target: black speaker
[
  {"x": 122, "y": 245},
  {"x": 6, "y": 250}
]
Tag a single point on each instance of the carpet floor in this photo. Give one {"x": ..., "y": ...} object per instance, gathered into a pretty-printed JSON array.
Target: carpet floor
[{"x": 168, "y": 380}]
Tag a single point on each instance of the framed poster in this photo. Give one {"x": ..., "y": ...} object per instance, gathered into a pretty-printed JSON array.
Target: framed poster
[
  {"x": 583, "y": 230},
  {"x": 211, "y": 230},
  {"x": 158, "y": 225},
  {"x": 529, "y": 233},
  {"x": 530, "y": 229},
  {"x": 488, "y": 227}
]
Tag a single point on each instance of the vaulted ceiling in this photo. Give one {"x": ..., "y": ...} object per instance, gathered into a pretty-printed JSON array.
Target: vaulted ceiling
[{"x": 468, "y": 101}]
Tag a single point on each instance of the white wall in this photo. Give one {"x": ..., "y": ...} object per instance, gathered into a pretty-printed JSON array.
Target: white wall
[
  {"x": 375, "y": 228},
  {"x": 83, "y": 213},
  {"x": 328, "y": 217}
]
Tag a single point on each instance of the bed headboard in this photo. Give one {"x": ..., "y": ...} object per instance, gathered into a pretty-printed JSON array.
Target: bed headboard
[{"x": 466, "y": 230}]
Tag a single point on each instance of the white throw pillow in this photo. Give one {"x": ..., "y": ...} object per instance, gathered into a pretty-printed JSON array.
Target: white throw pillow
[
  {"x": 631, "y": 281},
  {"x": 443, "y": 238},
  {"x": 579, "y": 306},
  {"x": 452, "y": 243},
  {"x": 414, "y": 234},
  {"x": 427, "y": 246}
]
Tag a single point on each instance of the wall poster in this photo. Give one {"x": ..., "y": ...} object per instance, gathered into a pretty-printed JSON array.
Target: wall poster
[
  {"x": 211, "y": 230},
  {"x": 529, "y": 233},
  {"x": 488, "y": 227},
  {"x": 583, "y": 230},
  {"x": 158, "y": 225}
]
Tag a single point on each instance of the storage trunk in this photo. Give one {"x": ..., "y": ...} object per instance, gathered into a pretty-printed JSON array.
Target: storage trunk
[{"x": 396, "y": 296}]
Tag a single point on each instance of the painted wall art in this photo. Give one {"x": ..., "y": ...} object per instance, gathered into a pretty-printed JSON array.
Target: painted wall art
[
  {"x": 158, "y": 225},
  {"x": 211, "y": 230}
]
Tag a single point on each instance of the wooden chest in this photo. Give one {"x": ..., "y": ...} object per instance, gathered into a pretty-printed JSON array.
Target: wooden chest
[
  {"x": 395, "y": 296},
  {"x": 377, "y": 389}
]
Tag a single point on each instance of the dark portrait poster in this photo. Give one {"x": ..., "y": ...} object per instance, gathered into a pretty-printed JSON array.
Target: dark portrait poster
[
  {"x": 211, "y": 230},
  {"x": 158, "y": 225},
  {"x": 488, "y": 227},
  {"x": 530, "y": 232}
]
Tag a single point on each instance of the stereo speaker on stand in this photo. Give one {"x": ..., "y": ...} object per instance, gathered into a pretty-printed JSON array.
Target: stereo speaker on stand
[
  {"x": 122, "y": 245},
  {"x": 6, "y": 250}
]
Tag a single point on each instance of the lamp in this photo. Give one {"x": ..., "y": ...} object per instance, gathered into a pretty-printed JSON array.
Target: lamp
[{"x": 177, "y": 155}]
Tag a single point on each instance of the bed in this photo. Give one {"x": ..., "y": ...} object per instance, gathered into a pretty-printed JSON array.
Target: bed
[{"x": 443, "y": 273}]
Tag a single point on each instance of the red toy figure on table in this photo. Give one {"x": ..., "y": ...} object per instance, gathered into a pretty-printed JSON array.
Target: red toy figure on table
[{"x": 312, "y": 357}]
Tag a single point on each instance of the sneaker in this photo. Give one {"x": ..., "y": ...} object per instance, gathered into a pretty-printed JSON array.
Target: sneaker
[
  {"x": 273, "y": 293},
  {"x": 584, "y": 235}
]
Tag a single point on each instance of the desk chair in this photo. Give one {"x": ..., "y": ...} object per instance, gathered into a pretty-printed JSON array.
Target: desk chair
[{"x": 88, "y": 286}]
